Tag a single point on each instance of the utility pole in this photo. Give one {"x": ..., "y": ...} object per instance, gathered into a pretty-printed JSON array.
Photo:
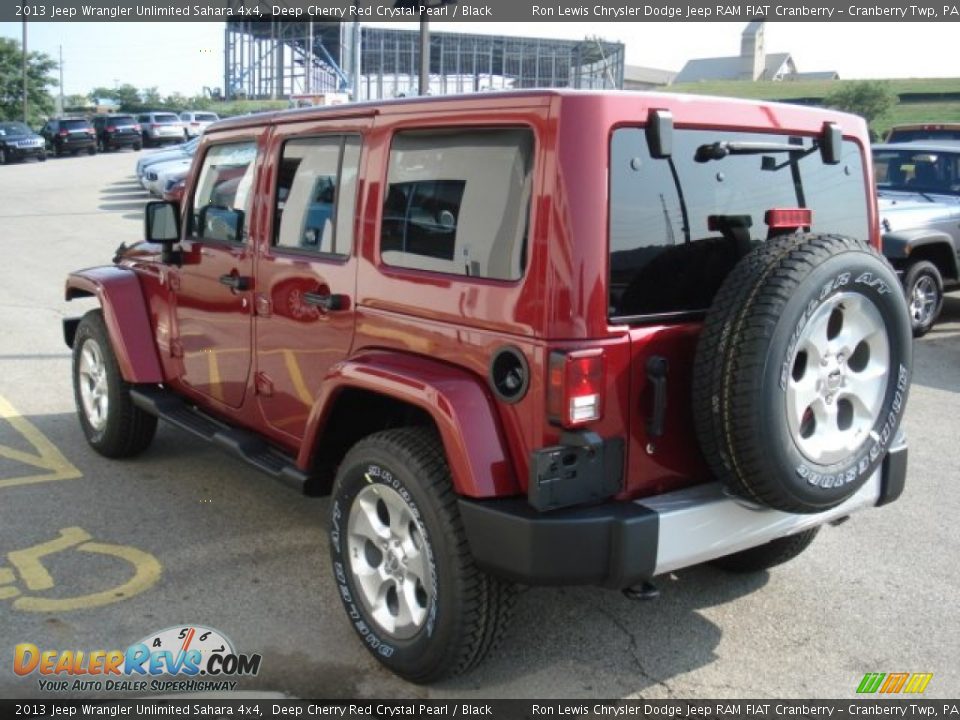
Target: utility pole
[
  {"x": 424, "y": 55},
  {"x": 61, "y": 81},
  {"x": 26, "y": 105},
  {"x": 356, "y": 58},
  {"x": 308, "y": 65}
]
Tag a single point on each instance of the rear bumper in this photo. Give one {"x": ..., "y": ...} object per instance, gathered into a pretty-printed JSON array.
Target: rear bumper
[
  {"x": 618, "y": 544},
  {"x": 114, "y": 141}
]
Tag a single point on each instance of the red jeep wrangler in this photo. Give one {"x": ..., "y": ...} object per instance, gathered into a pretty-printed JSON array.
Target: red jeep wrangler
[{"x": 535, "y": 337}]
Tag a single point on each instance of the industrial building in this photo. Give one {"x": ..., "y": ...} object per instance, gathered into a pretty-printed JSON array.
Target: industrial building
[{"x": 273, "y": 59}]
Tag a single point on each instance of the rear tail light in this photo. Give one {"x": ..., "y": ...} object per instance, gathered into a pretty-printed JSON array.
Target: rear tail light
[
  {"x": 153, "y": 125},
  {"x": 194, "y": 124},
  {"x": 64, "y": 133},
  {"x": 575, "y": 386},
  {"x": 788, "y": 218},
  {"x": 111, "y": 128},
  {"x": 137, "y": 127}
]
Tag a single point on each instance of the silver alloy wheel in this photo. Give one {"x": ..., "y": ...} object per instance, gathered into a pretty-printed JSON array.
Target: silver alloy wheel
[
  {"x": 389, "y": 561},
  {"x": 923, "y": 300},
  {"x": 838, "y": 379},
  {"x": 92, "y": 381}
]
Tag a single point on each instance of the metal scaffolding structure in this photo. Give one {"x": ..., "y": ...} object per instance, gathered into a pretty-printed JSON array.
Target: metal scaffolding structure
[{"x": 272, "y": 59}]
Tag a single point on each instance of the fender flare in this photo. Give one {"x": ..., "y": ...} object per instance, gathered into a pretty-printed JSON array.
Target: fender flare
[
  {"x": 459, "y": 404},
  {"x": 898, "y": 245},
  {"x": 126, "y": 317}
]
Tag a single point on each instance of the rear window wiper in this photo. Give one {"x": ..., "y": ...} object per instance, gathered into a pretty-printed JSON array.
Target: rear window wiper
[{"x": 720, "y": 150}]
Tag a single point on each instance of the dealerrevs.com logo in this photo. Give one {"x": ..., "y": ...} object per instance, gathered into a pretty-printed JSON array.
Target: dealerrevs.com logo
[{"x": 202, "y": 655}]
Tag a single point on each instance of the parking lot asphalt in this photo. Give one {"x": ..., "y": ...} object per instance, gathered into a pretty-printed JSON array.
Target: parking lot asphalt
[{"x": 115, "y": 551}]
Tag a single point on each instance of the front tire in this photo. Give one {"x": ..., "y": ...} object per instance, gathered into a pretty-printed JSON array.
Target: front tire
[
  {"x": 112, "y": 424},
  {"x": 401, "y": 560},
  {"x": 763, "y": 557},
  {"x": 923, "y": 286}
]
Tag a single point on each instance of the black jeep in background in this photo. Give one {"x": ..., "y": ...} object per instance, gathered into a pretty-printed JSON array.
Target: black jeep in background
[
  {"x": 69, "y": 135},
  {"x": 117, "y": 131}
]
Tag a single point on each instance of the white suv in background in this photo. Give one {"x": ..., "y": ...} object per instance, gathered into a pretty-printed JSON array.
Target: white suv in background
[
  {"x": 195, "y": 123},
  {"x": 160, "y": 127}
]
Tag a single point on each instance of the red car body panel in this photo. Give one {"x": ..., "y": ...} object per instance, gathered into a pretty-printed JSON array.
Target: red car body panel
[
  {"x": 428, "y": 338},
  {"x": 121, "y": 297}
]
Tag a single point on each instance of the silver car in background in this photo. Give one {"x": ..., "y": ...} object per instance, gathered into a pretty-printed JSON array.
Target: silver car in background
[
  {"x": 196, "y": 121},
  {"x": 160, "y": 127}
]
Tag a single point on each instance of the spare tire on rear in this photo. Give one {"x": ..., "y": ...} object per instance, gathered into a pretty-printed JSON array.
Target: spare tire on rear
[{"x": 802, "y": 371}]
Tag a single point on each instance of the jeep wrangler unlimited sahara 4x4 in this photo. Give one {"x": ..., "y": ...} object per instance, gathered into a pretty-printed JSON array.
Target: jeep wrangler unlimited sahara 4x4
[{"x": 535, "y": 337}]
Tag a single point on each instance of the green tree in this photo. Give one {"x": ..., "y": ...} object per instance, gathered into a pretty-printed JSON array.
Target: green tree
[
  {"x": 40, "y": 67},
  {"x": 126, "y": 95},
  {"x": 151, "y": 97},
  {"x": 871, "y": 99}
]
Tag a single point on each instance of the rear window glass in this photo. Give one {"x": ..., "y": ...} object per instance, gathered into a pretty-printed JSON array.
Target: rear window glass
[
  {"x": 663, "y": 256},
  {"x": 165, "y": 118},
  {"x": 899, "y": 136},
  {"x": 122, "y": 120},
  {"x": 205, "y": 117},
  {"x": 74, "y": 124},
  {"x": 458, "y": 202}
]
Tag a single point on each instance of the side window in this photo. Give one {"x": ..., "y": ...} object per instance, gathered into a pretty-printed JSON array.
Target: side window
[
  {"x": 316, "y": 194},
  {"x": 458, "y": 202},
  {"x": 223, "y": 198}
]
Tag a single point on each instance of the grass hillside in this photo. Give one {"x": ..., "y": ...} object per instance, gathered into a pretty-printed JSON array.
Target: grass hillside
[{"x": 947, "y": 111}]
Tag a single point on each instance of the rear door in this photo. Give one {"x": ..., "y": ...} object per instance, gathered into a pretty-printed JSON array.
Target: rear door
[
  {"x": 213, "y": 289},
  {"x": 675, "y": 234},
  {"x": 306, "y": 275}
]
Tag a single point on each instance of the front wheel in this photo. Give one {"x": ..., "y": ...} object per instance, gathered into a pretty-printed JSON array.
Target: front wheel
[
  {"x": 112, "y": 424},
  {"x": 401, "y": 560},
  {"x": 924, "y": 288}
]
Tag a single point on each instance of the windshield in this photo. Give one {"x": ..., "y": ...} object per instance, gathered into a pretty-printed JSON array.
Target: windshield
[
  {"x": 916, "y": 170},
  {"x": 14, "y": 128},
  {"x": 673, "y": 240}
]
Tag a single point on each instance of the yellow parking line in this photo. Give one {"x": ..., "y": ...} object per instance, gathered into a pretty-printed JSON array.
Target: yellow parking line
[{"x": 47, "y": 457}]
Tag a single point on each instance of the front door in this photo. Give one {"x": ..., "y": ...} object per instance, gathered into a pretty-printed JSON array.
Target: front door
[
  {"x": 213, "y": 289},
  {"x": 306, "y": 274}
]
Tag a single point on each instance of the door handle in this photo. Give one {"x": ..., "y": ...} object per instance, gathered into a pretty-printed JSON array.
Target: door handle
[
  {"x": 235, "y": 282},
  {"x": 331, "y": 302}
]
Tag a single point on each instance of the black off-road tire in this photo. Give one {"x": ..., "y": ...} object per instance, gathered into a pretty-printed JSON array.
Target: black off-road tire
[
  {"x": 469, "y": 608},
  {"x": 748, "y": 351},
  {"x": 92, "y": 150},
  {"x": 128, "y": 430},
  {"x": 763, "y": 557},
  {"x": 927, "y": 273}
]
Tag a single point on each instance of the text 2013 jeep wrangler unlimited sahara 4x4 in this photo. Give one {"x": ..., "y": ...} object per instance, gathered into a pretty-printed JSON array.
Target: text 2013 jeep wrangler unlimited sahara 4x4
[{"x": 537, "y": 337}]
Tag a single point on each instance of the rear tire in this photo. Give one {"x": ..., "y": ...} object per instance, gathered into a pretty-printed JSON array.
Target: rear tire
[
  {"x": 3, "y": 156},
  {"x": 802, "y": 372},
  {"x": 923, "y": 286},
  {"x": 91, "y": 150},
  {"x": 763, "y": 557},
  {"x": 402, "y": 564},
  {"x": 137, "y": 147},
  {"x": 112, "y": 424}
]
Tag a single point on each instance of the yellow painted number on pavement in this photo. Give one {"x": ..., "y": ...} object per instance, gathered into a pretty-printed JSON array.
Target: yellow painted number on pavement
[
  {"x": 46, "y": 457},
  {"x": 35, "y": 577}
]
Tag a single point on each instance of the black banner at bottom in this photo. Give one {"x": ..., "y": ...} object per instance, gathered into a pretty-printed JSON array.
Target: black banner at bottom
[{"x": 198, "y": 707}]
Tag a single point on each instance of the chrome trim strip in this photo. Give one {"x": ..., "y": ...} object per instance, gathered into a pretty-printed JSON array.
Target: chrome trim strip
[{"x": 704, "y": 522}]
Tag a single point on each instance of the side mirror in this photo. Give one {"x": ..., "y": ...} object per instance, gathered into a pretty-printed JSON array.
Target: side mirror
[
  {"x": 660, "y": 134},
  {"x": 161, "y": 223},
  {"x": 831, "y": 143}
]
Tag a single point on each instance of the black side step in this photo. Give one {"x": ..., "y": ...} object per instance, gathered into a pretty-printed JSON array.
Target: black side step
[{"x": 246, "y": 445}]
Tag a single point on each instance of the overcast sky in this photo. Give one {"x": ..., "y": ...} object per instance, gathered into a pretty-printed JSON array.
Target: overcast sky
[{"x": 185, "y": 57}]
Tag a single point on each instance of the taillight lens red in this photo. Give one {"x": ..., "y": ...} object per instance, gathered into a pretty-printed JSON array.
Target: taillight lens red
[
  {"x": 64, "y": 133},
  {"x": 788, "y": 218},
  {"x": 575, "y": 384},
  {"x": 111, "y": 128},
  {"x": 153, "y": 125},
  {"x": 136, "y": 127}
]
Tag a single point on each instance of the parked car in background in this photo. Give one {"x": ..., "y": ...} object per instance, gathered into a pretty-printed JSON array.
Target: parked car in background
[
  {"x": 70, "y": 135},
  {"x": 176, "y": 153},
  {"x": 158, "y": 128},
  {"x": 195, "y": 122},
  {"x": 18, "y": 142},
  {"x": 927, "y": 131},
  {"x": 157, "y": 177},
  {"x": 918, "y": 187},
  {"x": 174, "y": 190},
  {"x": 117, "y": 131}
]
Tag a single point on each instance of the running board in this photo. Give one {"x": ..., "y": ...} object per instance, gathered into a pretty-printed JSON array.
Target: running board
[{"x": 245, "y": 445}]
